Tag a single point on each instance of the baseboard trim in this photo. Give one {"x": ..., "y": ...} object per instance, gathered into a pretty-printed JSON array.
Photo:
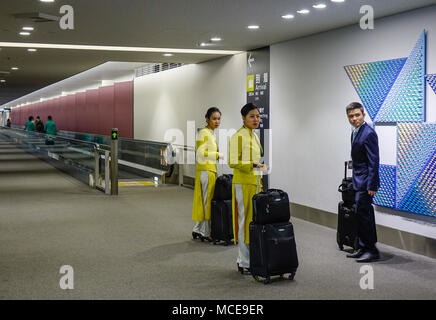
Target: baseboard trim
[{"x": 396, "y": 238}]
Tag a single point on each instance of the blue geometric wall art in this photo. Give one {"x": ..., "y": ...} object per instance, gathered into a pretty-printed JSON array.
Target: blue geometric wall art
[
  {"x": 373, "y": 81},
  {"x": 406, "y": 99},
  {"x": 431, "y": 79},
  {"x": 386, "y": 193},
  {"x": 416, "y": 168}
]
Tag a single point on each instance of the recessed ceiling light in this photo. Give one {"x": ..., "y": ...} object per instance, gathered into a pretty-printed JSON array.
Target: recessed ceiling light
[
  {"x": 2, "y": 80},
  {"x": 28, "y": 28},
  {"x": 337, "y": 1},
  {"x": 215, "y": 39},
  {"x": 303, "y": 11},
  {"x": 288, "y": 16},
  {"x": 14, "y": 68},
  {"x": 320, "y": 6},
  {"x": 253, "y": 27},
  {"x": 31, "y": 49},
  {"x": 168, "y": 54},
  {"x": 25, "y": 33}
]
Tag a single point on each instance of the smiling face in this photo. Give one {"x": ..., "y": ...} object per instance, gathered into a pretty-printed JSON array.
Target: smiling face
[
  {"x": 356, "y": 117},
  {"x": 214, "y": 121},
  {"x": 252, "y": 119}
]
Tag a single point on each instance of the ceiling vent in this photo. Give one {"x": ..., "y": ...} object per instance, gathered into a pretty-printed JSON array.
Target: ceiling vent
[
  {"x": 36, "y": 17},
  {"x": 156, "y": 67}
]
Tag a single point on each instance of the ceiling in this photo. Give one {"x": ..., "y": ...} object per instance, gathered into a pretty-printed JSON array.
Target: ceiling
[{"x": 181, "y": 24}]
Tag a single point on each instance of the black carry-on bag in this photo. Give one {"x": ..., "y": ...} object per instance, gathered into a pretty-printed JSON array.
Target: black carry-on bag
[
  {"x": 347, "y": 221},
  {"x": 273, "y": 251},
  {"x": 271, "y": 206},
  {"x": 346, "y": 188},
  {"x": 221, "y": 221},
  {"x": 223, "y": 187},
  {"x": 221, "y": 210}
]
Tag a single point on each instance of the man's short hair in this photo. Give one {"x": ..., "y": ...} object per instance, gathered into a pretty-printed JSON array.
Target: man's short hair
[{"x": 355, "y": 105}]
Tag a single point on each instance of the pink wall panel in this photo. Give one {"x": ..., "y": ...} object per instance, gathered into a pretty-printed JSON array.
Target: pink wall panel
[
  {"x": 92, "y": 116},
  {"x": 106, "y": 110},
  {"x": 123, "y": 108},
  {"x": 80, "y": 112},
  {"x": 71, "y": 113},
  {"x": 61, "y": 124}
]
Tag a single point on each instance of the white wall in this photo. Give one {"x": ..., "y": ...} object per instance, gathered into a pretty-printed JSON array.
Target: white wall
[
  {"x": 167, "y": 100},
  {"x": 309, "y": 92}
]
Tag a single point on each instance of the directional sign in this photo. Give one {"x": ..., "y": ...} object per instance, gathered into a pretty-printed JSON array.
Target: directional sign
[{"x": 114, "y": 134}]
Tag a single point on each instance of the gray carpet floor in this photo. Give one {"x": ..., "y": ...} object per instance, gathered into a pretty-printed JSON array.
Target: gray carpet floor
[{"x": 138, "y": 245}]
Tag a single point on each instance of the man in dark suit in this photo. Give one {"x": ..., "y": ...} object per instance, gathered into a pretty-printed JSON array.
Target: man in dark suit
[{"x": 365, "y": 157}]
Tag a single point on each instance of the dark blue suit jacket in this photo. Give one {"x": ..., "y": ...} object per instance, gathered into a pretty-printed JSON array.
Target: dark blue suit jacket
[{"x": 366, "y": 159}]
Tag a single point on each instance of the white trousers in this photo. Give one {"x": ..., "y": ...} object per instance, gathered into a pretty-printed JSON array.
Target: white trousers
[
  {"x": 203, "y": 227},
  {"x": 243, "y": 259}
]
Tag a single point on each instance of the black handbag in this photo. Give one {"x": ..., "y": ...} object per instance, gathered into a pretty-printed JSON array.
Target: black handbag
[{"x": 271, "y": 206}]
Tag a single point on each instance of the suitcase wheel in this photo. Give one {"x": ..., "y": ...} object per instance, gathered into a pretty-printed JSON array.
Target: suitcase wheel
[
  {"x": 214, "y": 242},
  {"x": 267, "y": 280},
  {"x": 291, "y": 276},
  {"x": 256, "y": 278},
  {"x": 341, "y": 247},
  {"x": 226, "y": 243}
]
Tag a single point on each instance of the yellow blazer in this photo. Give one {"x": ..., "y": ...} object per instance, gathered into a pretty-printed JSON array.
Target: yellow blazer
[
  {"x": 207, "y": 150},
  {"x": 244, "y": 149}
]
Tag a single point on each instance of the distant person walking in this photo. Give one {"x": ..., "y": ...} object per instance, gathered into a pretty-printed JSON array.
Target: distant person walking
[
  {"x": 50, "y": 126},
  {"x": 29, "y": 126},
  {"x": 205, "y": 177},
  {"x": 50, "y": 129},
  {"x": 8, "y": 123},
  {"x": 39, "y": 126}
]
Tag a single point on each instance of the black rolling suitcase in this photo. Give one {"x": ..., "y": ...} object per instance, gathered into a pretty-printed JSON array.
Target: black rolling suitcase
[
  {"x": 221, "y": 221},
  {"x": 347, "y": 221},
  {"x": 272, "y": 243},
  {"x": 223, "y": 187},
  {"x": 272, "y": 250},
  {"x": 347, "y": 226}
]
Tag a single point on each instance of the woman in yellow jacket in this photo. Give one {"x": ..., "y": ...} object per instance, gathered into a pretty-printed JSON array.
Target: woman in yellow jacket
[
  {"x": 244, "y": 157},
  {"x": 205, "y": 177}
]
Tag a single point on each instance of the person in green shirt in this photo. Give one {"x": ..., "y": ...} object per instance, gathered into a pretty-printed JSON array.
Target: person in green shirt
[
  {"x": 50, "y": 128},
  {"x": 29, "y": 126}
]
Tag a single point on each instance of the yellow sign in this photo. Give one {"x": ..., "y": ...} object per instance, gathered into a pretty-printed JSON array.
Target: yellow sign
[{"x": 250, "y": 83}]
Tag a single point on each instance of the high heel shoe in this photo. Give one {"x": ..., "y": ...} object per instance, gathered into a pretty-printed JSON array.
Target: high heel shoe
[
  {"x": 202, "y": 238},
  {"x": 242, "y": 269},
  {"x": 196, "y": 235}
]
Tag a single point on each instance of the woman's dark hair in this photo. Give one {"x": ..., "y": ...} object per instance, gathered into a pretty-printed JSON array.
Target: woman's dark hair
[
  {"x": 210, "y": 111},
  {"x": 30, "y": 118},
  {"x": 247, "y": 108}
]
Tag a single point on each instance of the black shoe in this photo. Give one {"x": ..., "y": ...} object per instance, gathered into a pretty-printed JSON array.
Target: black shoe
[
  {"x": 369, "y": 257},
  {"x": 356, "y": 254},
  {"x": 206, "y": 238},
  {"x": 195, "y": 235},
  {"x": 241, "y": 269}
]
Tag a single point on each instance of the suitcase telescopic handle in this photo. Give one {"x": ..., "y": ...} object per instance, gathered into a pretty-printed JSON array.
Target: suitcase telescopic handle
[{"x": 345, "y": 169}]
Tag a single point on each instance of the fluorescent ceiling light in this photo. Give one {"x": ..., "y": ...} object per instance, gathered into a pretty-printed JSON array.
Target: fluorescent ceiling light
[
  {"x": 303, "y": 11},
  {"x": 337, "y": 1},
  {"x": 14, "y": 68},
  {"x": 47, "y": 0},
  {"x": 31, "y": 49},
  {"x": 2, "y": 80},
  {"x": 288, "y": 16},
  {"x": 112, "y": 48},
  {"x": 320, "y": 6},
  {"x": 253, "y": 27},
  {"x": 215, "y": 39},
  {"x": 168, "y": 54},
  {"x": 28, "y": 28},
  {"x": 25, "y": 33}
]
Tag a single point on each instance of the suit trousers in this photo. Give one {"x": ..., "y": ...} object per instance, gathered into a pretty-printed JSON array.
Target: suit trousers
[{"x": 366, "y": 230}]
